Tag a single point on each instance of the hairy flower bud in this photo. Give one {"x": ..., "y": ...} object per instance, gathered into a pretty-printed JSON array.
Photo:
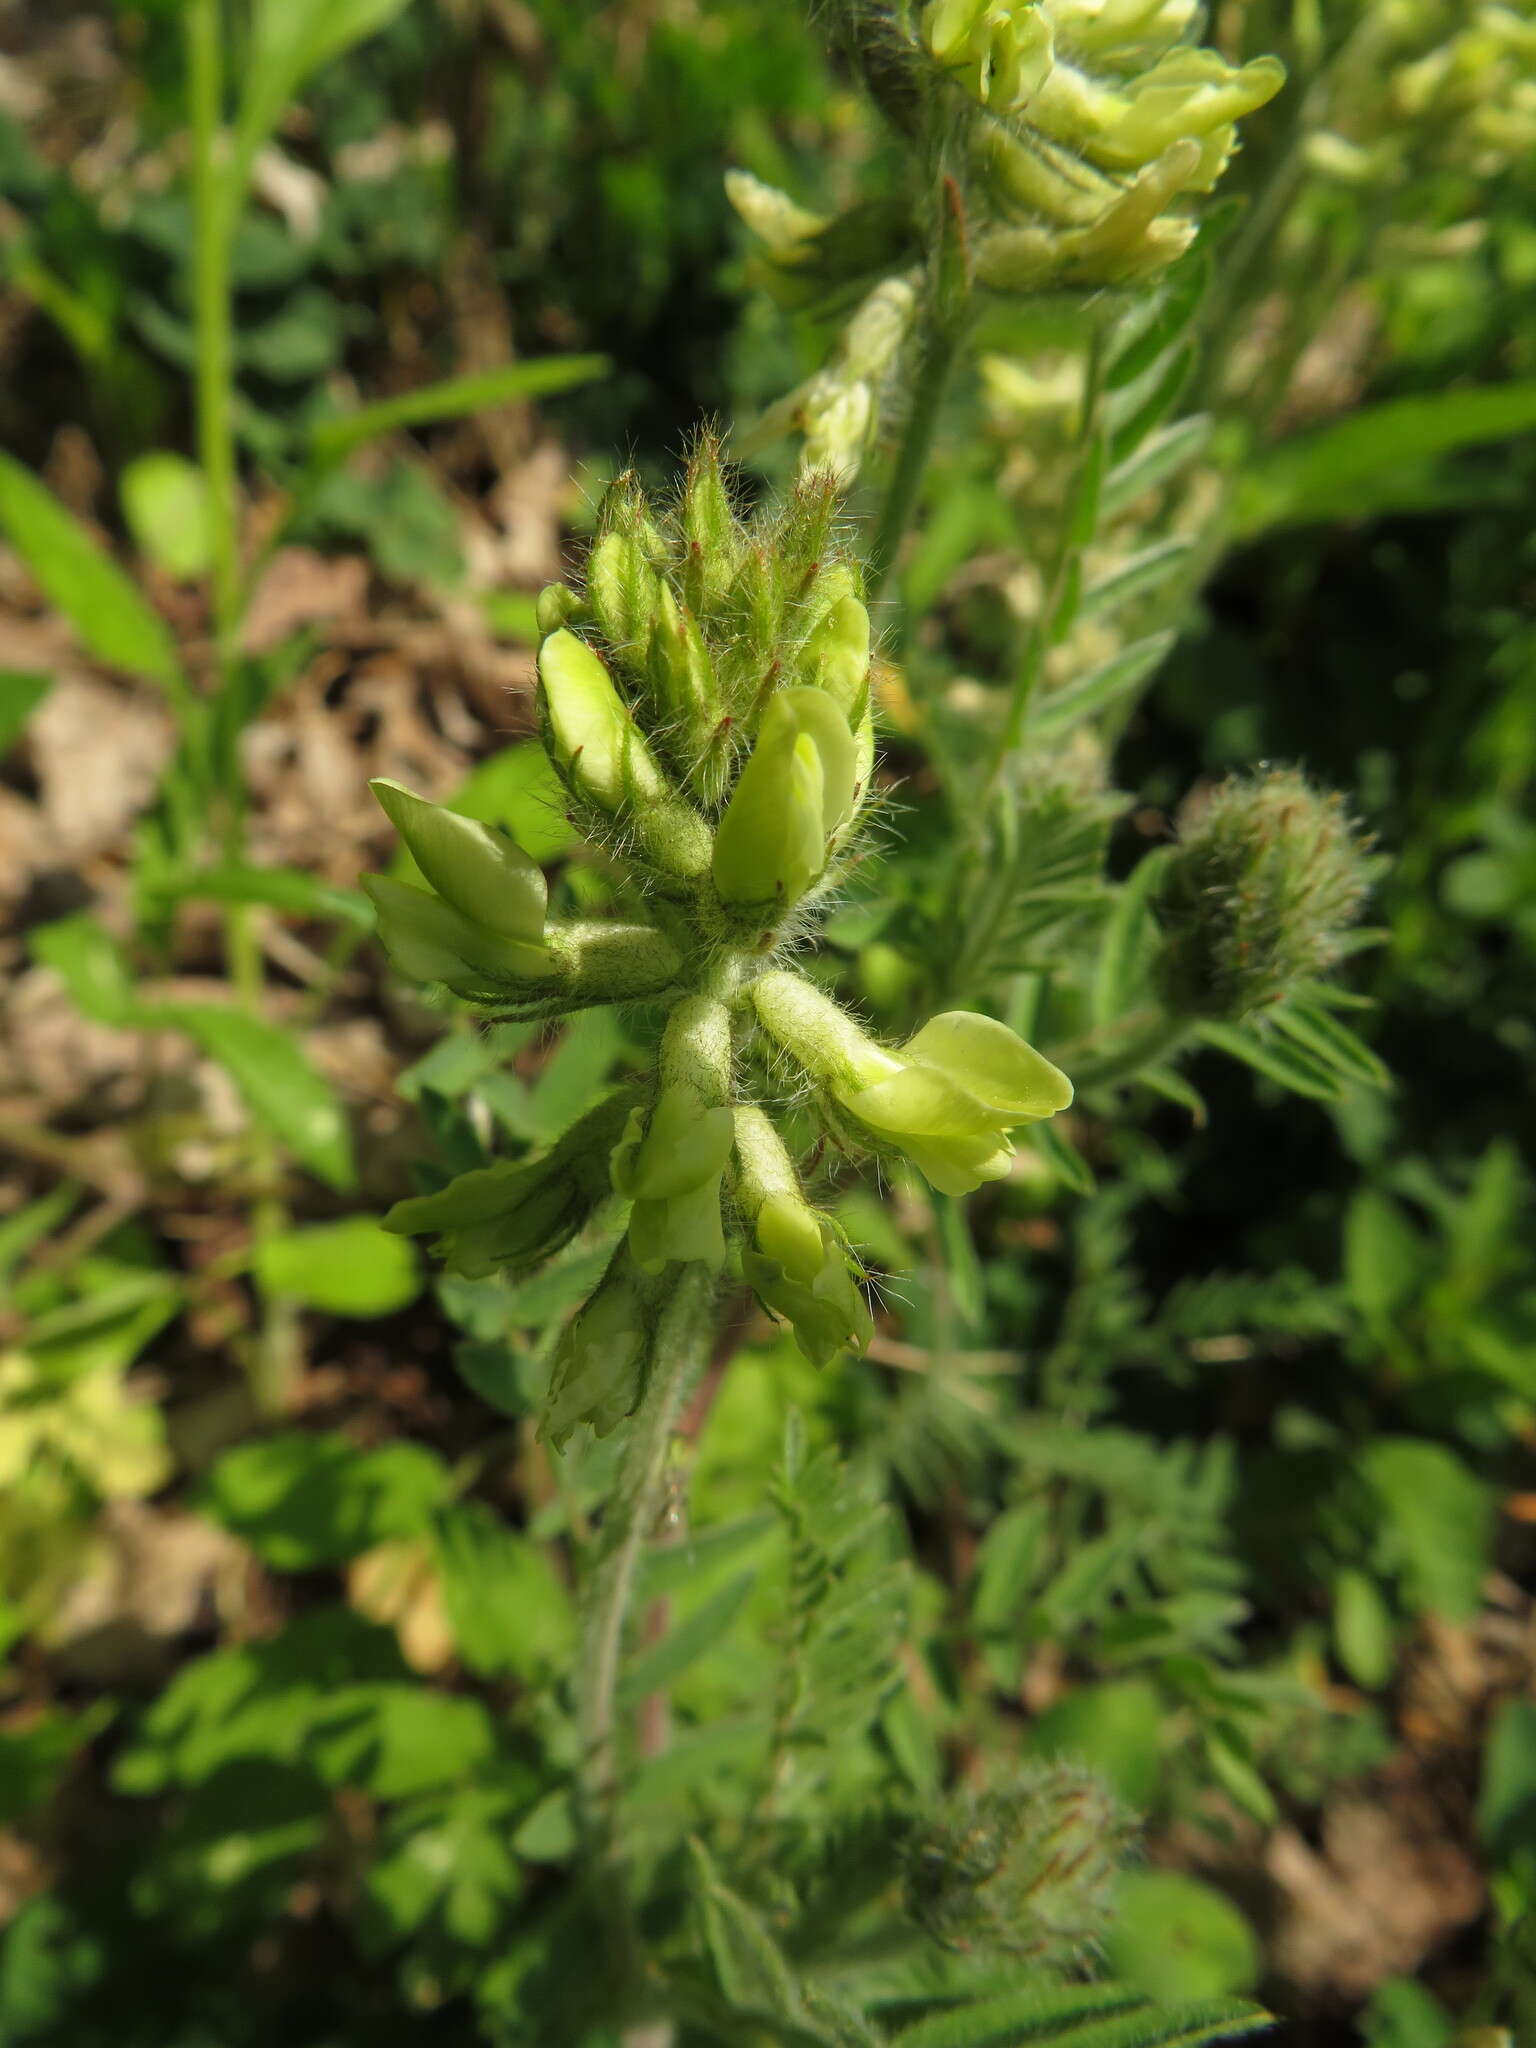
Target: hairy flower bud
[
  {"x": 604, "y": 757},
  {"x": 835, "y": 656},
  {"x": 1258, "y": 895},
  {"x": 479, "y": 871},
  {"x": 712, "y": 539},
  {"x": 947, "y": 1099},
  {"x": 1025, "y": 1870},
  {"x": 1001, "y": 51},
  {"x": 669, "y": 1161},
  {"x": 773, "y": 216},
  {"x": 682, "y": 677},
  {"x": 558, "y": 605},
  {"x": 797, "y": 1261},
  {"x": 790, "y": 800}
]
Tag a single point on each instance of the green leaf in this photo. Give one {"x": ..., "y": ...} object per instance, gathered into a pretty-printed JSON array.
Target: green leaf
[
  {"x": 1173, "y": 1937},
  {"x": 1157, "y": 321},
  {"x": 1007, "y": 1560},
  {"x": 1506, "y": 1806},
  {"x": 1277, "y": 1059},
  {"x": 91, "y": 965},
  {"x": 691, "y": 1639},
  {"x": 1130, "y": 938},
  {"x": 81, "y": 580},
  {"x": 1062, "y": 1157},
  {"x": 1384, "y": 1256},
  {"x": 20, "y": 695},
  {"x": 1440, "y": 1519},
  {"x": 165, "y": 502},
  {"x": 351, "y": 1267},
  {"x": 302, "y": 1500},
  {"x": 1106, "y": 685},
  {"x": 1137, "y": 575},
  {"x": 392, "y": 1741},
  {"x": 1231, "y": 1761},
  {"x": 1064, "y": 2013},
  {"x": 256, "y": 1700},
  {"x": 1337, "y": 471},
  {"x": 1139, "y": 407},
  {"x": 1116, "y": 1727},
  {"x": 290, "y": 40},
  {"x": 453, "y": 398},
  {"x": 279, "y": 1085},
  {"x": 448, "y": 1861},
  {"x": 1363, "y": 1632},
  {"x": 749, "y": 1966},
  {"x": 1332, "y": 1044},
  {"x": 290, "y": 889},
  {"x": 1159, "y": 458},
  {"x": 509, "y": 1611},
  {"x": 666, "y": 1566}
]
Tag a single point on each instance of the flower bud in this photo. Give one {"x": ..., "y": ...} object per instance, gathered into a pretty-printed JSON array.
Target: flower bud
[
  {"x": 835, "y": 656},
  {"x": 773, "y": 216},
  {"x": 1187, "y": 94},
  {"x": 558, "y": 605},
  {"x": 480, "y": 872},
  {"x": 623, "y": 589},
  {"x": 794, "y": 793},
  {"x": 1258, "y": 895},
  {"x": 1105, "y": 27},
  {"x": 682, "y": 677},
  {"x": 512, "y": 1216},
  {"x": 947, "y": 1099},
  {"x": 798, "y": 1262},
  {"x": 595, "y": 744},
  {"x": 605, "y": 760},
  {"x": 712, "y": 540},
  {"x": 430, "y": 941},
  {"x": 1027, "y": 1870},
  {"x": 999, "y": 50},
  {"x": 599, "y": 1364},
  {"x": 669, "y": 1163}
]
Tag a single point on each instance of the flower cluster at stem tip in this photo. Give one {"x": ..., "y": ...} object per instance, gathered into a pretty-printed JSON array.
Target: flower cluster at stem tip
[
  {"x": 1076, "y": 134},
  {"x": 706, "y": 704}
]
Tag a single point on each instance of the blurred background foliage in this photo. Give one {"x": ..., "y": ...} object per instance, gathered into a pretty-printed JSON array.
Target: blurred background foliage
[{"x": 1210, "y": 1444}]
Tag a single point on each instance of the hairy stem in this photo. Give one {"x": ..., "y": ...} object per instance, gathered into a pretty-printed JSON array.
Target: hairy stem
[
  {"x": 681, "y": 1345},
  {"x": 935, "y": 358}
]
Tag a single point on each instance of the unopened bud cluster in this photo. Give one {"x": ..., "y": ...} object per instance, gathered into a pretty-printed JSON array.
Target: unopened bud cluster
[
  {"x": 1259, "y": 894},
  {"x": 1027, "y": 1869},
  {"x": 705, "y": 702},
  {"x": 1081, "y": 131}
]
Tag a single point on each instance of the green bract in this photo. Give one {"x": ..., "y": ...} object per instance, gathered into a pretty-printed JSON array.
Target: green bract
[{"x": 707, "y": 705}]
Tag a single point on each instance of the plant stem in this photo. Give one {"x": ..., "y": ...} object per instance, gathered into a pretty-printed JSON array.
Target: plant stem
[
  {"x": 679, "y": 1349},
  {"x": 937, "y": 355},
  {"x": 213, "y": 208},
  {"x": 211, "y": 309}
]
